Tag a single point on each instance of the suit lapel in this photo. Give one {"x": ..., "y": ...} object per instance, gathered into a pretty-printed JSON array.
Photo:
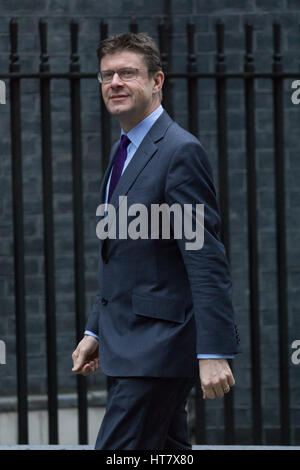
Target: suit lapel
[
  {"x": 143, "y": 154},
  {"x": 107, "y": 172}
]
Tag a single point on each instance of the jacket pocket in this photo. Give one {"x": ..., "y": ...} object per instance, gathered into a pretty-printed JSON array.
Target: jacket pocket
[{"x": 160, "y": 308}]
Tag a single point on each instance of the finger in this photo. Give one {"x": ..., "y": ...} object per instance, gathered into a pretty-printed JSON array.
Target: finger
[
  {"x": 77, "y": 371},
  {"x": 78, "y": 363},
  {"x": 231, "y": 381},
  {"x": 225, "y": 387},
  {"x": 86, "y": 370},
  {"x": 76, "y": 367},
  {"x": 206, "y": 389},
  {"x": 92, "y": 366},
  {"x": 74, "y": 356},
  {"x": 89, "y": 368},
  {"x": 217, "y": 387},
  {"x": 210, "y": 393}
]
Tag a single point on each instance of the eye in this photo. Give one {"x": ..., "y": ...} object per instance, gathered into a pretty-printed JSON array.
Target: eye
[
  {"x": 127, "y": 73},
  {"x": 106, "y": 76}
]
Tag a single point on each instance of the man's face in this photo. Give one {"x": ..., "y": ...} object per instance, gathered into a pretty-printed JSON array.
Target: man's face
[{"x": 129, "y": 100}]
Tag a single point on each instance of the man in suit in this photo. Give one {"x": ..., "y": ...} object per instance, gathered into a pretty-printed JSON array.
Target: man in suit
[{"x": 163, "y": 316}]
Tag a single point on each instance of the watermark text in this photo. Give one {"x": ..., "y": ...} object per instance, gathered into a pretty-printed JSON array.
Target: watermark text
[
  {"x": 2, "y": 92},
  {"x": 296, "y": 94},
  {"x": 2, "y": 352},
  {"x": 296, "y": 354},
  {"x": 188, "y": 222}
]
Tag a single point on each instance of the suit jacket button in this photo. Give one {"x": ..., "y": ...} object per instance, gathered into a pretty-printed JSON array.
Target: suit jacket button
[{"x": 104, "y": 301}]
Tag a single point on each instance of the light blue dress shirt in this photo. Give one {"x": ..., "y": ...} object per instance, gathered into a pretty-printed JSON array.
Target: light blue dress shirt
[{"x": 136, "y": 135}]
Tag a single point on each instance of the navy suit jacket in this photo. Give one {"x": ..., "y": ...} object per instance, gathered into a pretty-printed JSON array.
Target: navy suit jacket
[{"x": 160, "y": 304}]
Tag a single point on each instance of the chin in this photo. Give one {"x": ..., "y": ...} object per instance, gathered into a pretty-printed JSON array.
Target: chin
[{"x": 119, "y": 110}]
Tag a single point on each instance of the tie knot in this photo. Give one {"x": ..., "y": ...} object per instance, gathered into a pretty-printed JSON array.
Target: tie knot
[{"x": 125, "y": 141}]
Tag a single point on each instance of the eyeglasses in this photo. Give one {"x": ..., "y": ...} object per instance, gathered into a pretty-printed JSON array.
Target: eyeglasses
[{"x": 127, "y": 74}]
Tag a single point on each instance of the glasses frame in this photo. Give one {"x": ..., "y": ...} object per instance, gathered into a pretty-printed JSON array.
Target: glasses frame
[{"x": 100, "y": 80}]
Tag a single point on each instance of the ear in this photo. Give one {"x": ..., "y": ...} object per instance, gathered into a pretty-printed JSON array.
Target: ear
[{"x": 158, "y": 78}]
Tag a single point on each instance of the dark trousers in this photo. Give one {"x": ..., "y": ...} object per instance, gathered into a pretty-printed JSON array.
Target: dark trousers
[{"x": 146, "y": 413}]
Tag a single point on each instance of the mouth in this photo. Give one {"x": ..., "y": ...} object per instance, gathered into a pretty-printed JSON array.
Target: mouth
[{"x": 118, "y": 97}]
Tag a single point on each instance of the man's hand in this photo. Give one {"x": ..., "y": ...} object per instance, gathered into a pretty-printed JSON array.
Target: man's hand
[
  {"x": 216, "y": 377},
  {"x": 85, "y": 357}
]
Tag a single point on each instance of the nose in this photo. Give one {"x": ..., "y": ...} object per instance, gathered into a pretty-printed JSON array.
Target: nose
[{"x": 116, "y": 81}]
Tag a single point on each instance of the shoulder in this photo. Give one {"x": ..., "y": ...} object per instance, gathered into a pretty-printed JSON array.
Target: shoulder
[
  {"x": 179, "y": 141},
  {"x": 187, "y": 158},
  {"x": 179, "y": 134},
  {"x": 183, "y": 145}
]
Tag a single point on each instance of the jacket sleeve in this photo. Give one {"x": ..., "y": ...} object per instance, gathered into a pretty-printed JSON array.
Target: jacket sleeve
[
  {"x": 190, "y": 181},
  {"x": 92, "y": 322}
]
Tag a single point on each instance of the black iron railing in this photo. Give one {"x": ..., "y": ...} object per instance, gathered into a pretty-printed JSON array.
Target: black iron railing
[{"x": 192, "y": 77}]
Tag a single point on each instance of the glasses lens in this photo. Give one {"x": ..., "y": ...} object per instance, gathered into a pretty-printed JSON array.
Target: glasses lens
[
  {"x": 107, "y": 76},
  {"x": 127, "y": 74}
]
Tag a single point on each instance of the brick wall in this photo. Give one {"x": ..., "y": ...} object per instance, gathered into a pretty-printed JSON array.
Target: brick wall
[{"x": 118, "y": 14}]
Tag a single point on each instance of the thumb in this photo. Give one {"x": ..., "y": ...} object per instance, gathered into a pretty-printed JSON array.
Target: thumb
[{"x": 78, "y": 361}]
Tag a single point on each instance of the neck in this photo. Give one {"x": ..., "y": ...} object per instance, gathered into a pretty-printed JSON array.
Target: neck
[{"x": 129, "y": 122}]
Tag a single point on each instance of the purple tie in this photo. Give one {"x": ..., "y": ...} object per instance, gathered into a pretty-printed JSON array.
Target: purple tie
[{"x": 118, "y": 164}]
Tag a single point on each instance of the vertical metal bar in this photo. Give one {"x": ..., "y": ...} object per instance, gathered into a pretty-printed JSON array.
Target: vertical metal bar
[
  {"x": 192, "y": 81},
  {"x": 200, "y": 417},
  {"x": 222, "y": 133},
  {"x": 229, "y": 436},
  {"x": 105, "y": 144},
  {"x": 252, "y": 239},
  {"x": 48, "y": 238},
  {"x": 281, "y": 238},
  {"x": 17, "y": 195},
  {"x": 167, "y": 8},
  {"x": 133, "y": 26},
  {"x": 168, "y": 44},
  {"x": 105, "y": 116},
  {"x": 163, "y": 41},
  {"x": 78, "y": 222}
]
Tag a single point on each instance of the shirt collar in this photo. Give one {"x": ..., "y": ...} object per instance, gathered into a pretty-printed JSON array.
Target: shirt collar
[{"x": 138, "y": 132}]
